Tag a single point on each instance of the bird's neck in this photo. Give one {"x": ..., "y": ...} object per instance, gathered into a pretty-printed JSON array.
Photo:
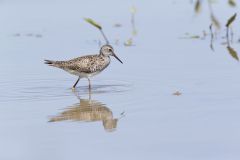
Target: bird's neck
[{"x": 101, "y": 54}]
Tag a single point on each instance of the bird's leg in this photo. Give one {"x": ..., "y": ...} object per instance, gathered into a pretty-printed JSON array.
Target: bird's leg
[
  {"x": 89, "y": 83},
  {"x": 75, "y": 83},
  {"x": 89, "y": 94}
]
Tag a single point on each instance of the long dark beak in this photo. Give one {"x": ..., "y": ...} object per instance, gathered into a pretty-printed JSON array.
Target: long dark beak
[{"x": 114, "y": 55}]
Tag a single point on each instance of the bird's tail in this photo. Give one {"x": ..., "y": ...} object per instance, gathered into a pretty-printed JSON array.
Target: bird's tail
[{"x": 50, "y": 62}]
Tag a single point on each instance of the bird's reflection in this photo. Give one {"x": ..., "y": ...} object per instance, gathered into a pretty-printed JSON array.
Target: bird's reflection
[{"x": 88, "y": 111}]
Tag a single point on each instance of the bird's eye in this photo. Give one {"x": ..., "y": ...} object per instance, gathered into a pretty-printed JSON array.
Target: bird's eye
[{"x": 110, "y": 50}]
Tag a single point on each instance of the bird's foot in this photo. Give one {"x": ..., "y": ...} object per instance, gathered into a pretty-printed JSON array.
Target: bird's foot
[{"x": 73, "y": 89}]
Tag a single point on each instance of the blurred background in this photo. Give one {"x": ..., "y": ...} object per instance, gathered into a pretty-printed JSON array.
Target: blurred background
[{"x": 176, "y": 95}]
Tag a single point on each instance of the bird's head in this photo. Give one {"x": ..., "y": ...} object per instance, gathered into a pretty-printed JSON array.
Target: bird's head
[{"x": 107, "y": 50}]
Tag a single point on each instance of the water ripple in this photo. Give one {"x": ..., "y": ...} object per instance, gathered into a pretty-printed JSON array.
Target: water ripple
[{"x": 51, "y": 89}]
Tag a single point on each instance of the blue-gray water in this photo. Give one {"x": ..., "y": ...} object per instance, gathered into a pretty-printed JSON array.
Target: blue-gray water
[{"x": 153, "y": 123}]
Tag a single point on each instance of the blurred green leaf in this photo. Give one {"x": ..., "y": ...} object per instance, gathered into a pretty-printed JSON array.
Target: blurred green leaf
[
  {"x": 198, "y": 6},
  {"x": 129, "y": 42},
  {"x": 232, "y": 3},
  {"x": 233, "y": 53},
  {"x": 231, "y": 19},
  {"x": 92, "y": 22},
  {"x": 194, "y": 37},
  {"x": 133, "y": 10},
  {"x": 188, "y": 36},
  {"x": 215, "y": 22},
  {"x": 134, "y": 32}
]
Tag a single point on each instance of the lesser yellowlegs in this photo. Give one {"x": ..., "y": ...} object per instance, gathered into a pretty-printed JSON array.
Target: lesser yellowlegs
[{"x": 86, "y": 66}]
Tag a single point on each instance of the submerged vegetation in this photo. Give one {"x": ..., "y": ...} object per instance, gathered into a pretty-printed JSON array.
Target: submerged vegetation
[
  {"x": 98, "y": 26},
  {"x": 229, "y": 22},
  {"x": 129, "y": 41},
  {"x": 215, "y": 26},
  {"x": 198, "y": 5}
]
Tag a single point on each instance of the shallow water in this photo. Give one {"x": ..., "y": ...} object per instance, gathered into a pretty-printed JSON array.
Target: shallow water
[{"x": 132, "y": 111}]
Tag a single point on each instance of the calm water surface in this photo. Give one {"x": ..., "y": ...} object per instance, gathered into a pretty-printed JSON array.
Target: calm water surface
[{"x": 132, "y": 111}]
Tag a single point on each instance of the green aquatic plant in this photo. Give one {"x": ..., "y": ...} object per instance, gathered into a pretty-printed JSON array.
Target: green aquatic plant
[
  {"x": 232, "y": 52},
  {"x": 215, "y": 25},
  {"x": 232, "y": 3},
  {"x": 129, "y": 41},
  {"x": 215, "y": 21},
  {"x": 194, "y": 36},
  {"x": 98, "y": 26},
  {"x": 198, "y": 7},
  {"x": 133, "y": 11},
  {"x": 198, "y": 4},
  {"x": 229, "y": 22}
]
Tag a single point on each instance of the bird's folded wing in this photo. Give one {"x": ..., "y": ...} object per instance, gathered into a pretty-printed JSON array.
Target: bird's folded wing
[{"x": 86, "y": 64}]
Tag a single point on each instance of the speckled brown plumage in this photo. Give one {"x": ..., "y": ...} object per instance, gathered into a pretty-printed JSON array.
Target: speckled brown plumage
[{"x": 86, "y": 66}]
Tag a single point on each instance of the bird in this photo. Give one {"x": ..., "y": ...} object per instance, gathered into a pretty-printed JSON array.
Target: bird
[{"x": 86, "y": 66}]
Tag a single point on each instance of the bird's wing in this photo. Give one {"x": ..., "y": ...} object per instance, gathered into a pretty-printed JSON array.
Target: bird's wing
[{"x": 86, "y": 64}]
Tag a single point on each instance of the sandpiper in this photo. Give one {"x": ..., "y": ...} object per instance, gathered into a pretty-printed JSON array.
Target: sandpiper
[{"x": 86, "y": 66}]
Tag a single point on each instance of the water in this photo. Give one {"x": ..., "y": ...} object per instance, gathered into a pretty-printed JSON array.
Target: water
[{"x": 145, "y": 119}]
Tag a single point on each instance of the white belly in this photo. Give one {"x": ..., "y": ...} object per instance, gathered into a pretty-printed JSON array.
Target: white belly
[
  {"x": 87, "y": 75},
  {"x": 82, "y": 74}
]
